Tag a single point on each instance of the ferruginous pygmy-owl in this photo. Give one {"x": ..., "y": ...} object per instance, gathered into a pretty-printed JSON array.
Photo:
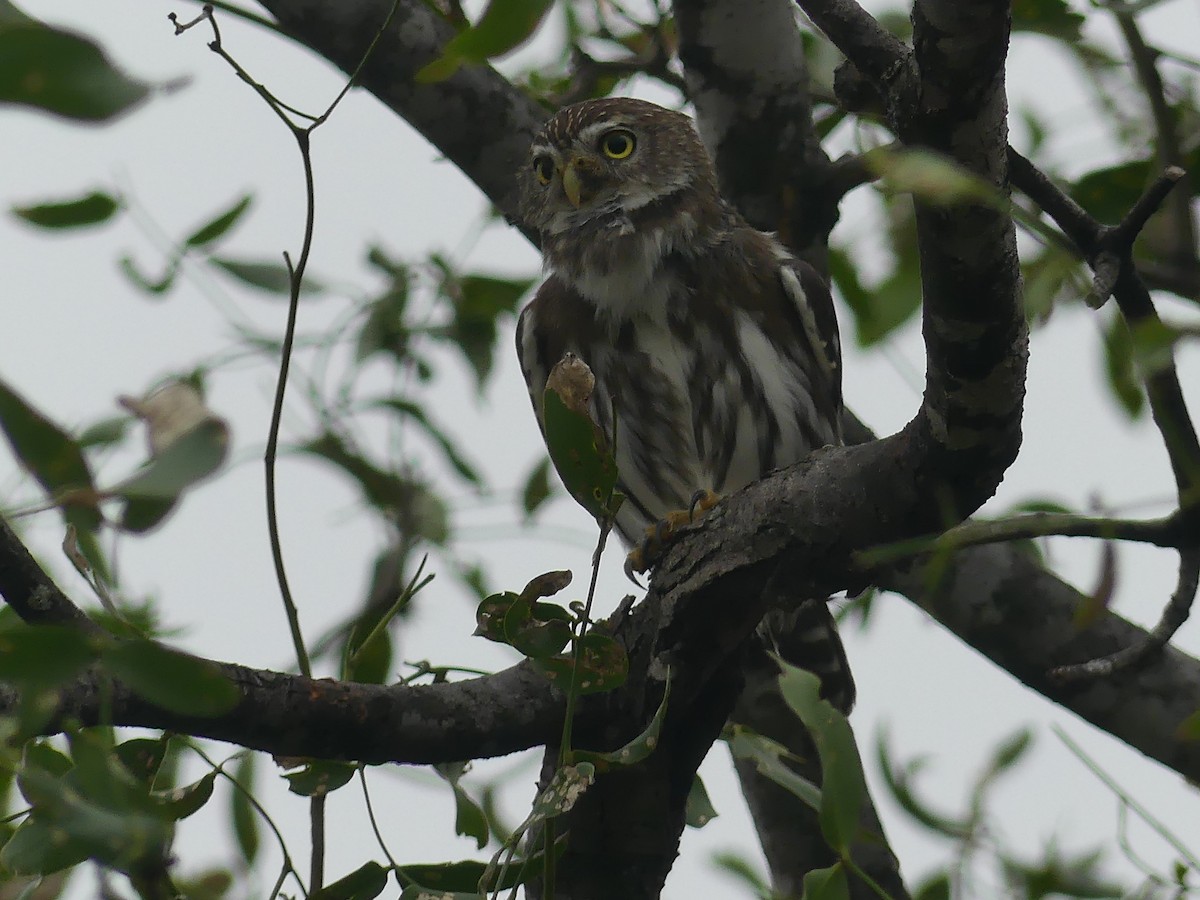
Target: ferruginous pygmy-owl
[{"x": 718, "y": 349}]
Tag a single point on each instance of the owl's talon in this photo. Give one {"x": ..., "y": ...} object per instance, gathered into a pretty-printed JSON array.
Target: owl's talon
[
  {"x": 632, "y": 560},
  {"x": 702, "y": 500},
  {"x": 659, "y": 535}
]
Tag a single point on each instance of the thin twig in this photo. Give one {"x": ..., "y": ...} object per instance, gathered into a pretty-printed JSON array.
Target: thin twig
[
  {"x": 289, "y": 868},
  {"x": 362, "y": 777},
  {"x": 316, "y": 817},
  {"x": 1164, "y": 532},
  {"x": 303, "y": 137},
  {"x": 1109, "y": 250},
  {"x": 1170, "y": 151}
]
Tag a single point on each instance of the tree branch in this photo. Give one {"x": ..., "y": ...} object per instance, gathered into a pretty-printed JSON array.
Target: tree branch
[
  {"x": 746, "y": 74},
  {"x": 1004, "y": 604}
]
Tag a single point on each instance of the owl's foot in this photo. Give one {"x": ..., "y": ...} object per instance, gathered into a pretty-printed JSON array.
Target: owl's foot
[{"x": 659, "y": 535}]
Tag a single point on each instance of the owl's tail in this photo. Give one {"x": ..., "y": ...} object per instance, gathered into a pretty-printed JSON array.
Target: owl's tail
[{"x": 807, "y": 636}]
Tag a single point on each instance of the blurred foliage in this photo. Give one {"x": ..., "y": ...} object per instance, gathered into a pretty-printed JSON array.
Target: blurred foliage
[{"x": 95, "y": 796}]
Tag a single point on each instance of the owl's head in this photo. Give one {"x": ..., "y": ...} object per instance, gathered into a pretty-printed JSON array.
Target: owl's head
[{"x": 600, "y": 162}]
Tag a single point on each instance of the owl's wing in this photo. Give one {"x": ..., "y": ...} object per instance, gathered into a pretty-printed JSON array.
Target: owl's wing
[
  {"x": 546, "y": 331},
  {"x": 812, "y": 305}
]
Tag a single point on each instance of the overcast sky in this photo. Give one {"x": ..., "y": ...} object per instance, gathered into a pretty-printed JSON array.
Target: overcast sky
[{"x": 76, "y": 335}]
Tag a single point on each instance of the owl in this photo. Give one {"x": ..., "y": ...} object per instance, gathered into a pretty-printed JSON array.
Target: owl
[{"x": 714, "y": 349}]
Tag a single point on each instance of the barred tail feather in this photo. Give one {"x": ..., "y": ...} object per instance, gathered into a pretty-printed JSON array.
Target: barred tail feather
[{"x": 806, "y": 636}]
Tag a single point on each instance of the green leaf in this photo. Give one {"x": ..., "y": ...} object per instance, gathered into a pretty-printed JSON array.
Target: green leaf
[
  {"x": 320, "y": 777},
  {"x": 1108, "y": 193},
  {"x": 191, "y": 457},
  {"x": 371, "y": 664},
  {"x": 469, "y": 819},
  {"x": 123, "y": 838},
  {"x": 477, "y": 301},
  {"x": 181, "y": 802},
  {"x": 417, "y": 892},
  {"x": 537, "y": 488},
  {"x": 899, "y": 783},
  {"x": 62, "y": 73},
  {"x": 587, "y": 469},
  {"x": 1153, "y": 346},
  {"x": 1051, "y": 275},
  {"x": 411, "y": 411},
  {"x": 936, "y": 888},
  {"x": 424, "y": 511},
  {"x": 219, "y": 224},
  {"x": 637, "y": 749},
  {"x": 930, "y": 177},
  {"x": 465, "y": 876},
  {"x": 504, "y": 25},
  {"x": 142, "y": 757},
  {"x": 843, "y": 785},
  {"x": 152, "y": 286},
  {"x": 37, "y": 848},
  {"x": 1189, "y": 728},
  {"x": 541, "y": 634},
  {"x": 826, "y": 884},
  {"x": 744, "y": 871},
  {"x": 50, "y": 454},
  {"x": 245, "y": 818},
  {"x": 1007, "y": 754},
  {"x": 603, "y": 665},
  {"x": 490, "y": 616},
  {"x": 270, "y": 277},
  {"x": 39, "y": 756},
  {"x": 366, "y": 882},
  {"x": 881, "y": 310},
  {"x": 43, "y": 656},
  {"x": 699, "y": 810},
  {"x": 384, "y": 330},
  {"x": 1123, "y": 379},
  {"x": 100, "y": 777},
  {"x": 769, "y": 757},
  {"x": 105, "y": 432},
  {"x": 565, "y": 789},
  {"x": 1053, "y": 18},
  {"x": 175, "y": 681},
  {"x": 90, "y": 209}
]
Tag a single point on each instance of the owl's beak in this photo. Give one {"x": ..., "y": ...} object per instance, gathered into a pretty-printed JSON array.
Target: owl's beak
[{"x": 577, "y": 177}]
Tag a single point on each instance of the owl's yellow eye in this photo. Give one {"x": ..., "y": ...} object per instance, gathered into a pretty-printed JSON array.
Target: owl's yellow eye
[
  {"x": 617, "y": 144},
  {"x": 543, "y": 168}
]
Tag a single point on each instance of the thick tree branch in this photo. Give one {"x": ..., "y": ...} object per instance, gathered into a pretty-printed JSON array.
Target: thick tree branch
[
  {"x": 1001, "y": 601},
  {"x": 291, "y": 715},
  {"x": 876, "y": 54},
  {"x": 746, "y": 74}
]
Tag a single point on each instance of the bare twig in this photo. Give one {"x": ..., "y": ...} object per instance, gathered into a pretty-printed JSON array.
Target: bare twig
[
  {"x": 1171, "y": 531},
  {"x": 34, "y": 596},
  {"x": 1174, "y": 615},
  {"x": 1109, "y": 250},
  {"x": 303, "y": 137},
  {"x": 1169, "y": 145},
  {"x": 876, "y": 53}
]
